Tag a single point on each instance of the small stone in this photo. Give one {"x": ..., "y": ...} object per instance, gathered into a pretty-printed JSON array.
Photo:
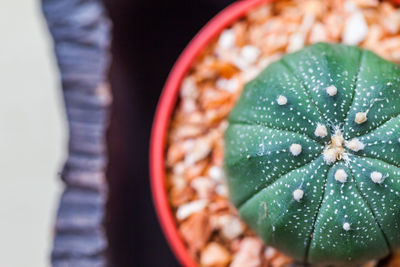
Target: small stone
[
  {"x": 188, "y": 105},
  {"x": 355, "y": 30},
  {"x": 222, "y": 190},
  {"x": 196, "y": 231},
  {"x": 355, "y": 145},
  {"x": 229, "y": 85},
  {"x": 217, "y": 174},
  {"x": 296, "y": 42},
  {"x": 179, "y": 168},
  {"x": 215, "y": 255},
  {"x": 361, "y": 117},
  {"x": 298, "y": 194},
  {"x": 331, "y": 90},
  {"x": 231, "y": 226},
  {"x": 201, "y": 149},
  {"x": 281, "y": 100},
  {"x": 270, "y": 252},
  {"x": 341, "y": 176},
  {"x": 249, "y": 253},
  {"x": 346, "y": 226},
  {"x": 188, "y": 209},
  {"x": 203, "y": 186},
  {"x": 377, "y": 177},
  {"x": 227, "y": 39},
  {"x": 250, "y": 54},
  {"x": 189, "y": 89},
  {"x": 321, "y": 131},
  {"x": 295, "y": 149}
]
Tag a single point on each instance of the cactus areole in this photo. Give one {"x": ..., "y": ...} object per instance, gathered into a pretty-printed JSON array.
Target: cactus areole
[{"x": 318, "y": 175}]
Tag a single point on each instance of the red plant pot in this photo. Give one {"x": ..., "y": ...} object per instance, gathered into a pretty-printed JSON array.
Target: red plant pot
[{"x": 164, "y": 112}]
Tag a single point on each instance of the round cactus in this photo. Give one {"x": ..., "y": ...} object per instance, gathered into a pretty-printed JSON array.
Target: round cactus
[{"x": 313, "y": 155}]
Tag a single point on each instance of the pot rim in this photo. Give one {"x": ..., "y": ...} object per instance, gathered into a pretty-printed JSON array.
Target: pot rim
[{"x": 165, "y": 108}]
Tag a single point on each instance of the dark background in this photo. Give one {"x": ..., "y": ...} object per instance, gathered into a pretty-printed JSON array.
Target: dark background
[{"x": 148, "y": 36}]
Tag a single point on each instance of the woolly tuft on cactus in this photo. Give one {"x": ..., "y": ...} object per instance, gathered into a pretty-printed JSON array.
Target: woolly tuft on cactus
[{"x": 313, "y": 155}]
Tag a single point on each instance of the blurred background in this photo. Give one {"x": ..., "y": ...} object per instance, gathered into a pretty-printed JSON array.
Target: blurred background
[
  {"x": 32, "y": 136},
  {"x": 147, "y": 39}
]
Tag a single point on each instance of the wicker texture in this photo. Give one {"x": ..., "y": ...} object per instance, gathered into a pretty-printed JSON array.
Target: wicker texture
[{"x": 81, "y": 33}]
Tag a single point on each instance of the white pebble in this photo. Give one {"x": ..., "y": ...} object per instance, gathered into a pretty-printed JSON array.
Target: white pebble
[
  {"x": 281, "y": 100},
  {"x": 355, "y": 30},
  {"x": 296, "y": 42},
  {"x": 250, "y": 54},
  {"x": 179, "y": 168},
  {"x": 227, "y": 39},
  {"x": 201, "y": 149},
  {"x": 229, "y": 85},
  {"x": 355, "y": 145},
  {"x": 222, "y": 190},
  {"x": 295, "y": 149},
  {"x": 331, "y": 90},
  {"x": 321, "y": 130},
  {"x": 361, "y": 117},
  {"x": 189, "y": 89},
  {"x": 188, "y": 209},
  {"x": 217, "y": 174},
  {"x": 298, "y": 194},
  {"x": 346, "y": 226},
  {"x": 214, "y": 254},
  {"x": 203, "y": 186},
  {"x": 341, "y": 176},
  {"x": 231, "y": 226},
  {"x": 249, "y": 253},
  {"x": 350, "y": 6},
  {"x": 377, "y": 177},
  {"x": 188, "y": 105}
]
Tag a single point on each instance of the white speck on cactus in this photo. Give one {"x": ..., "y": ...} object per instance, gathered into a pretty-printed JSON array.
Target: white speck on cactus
[
  {"x": 341, "y": 176},
  {"x": 281, "y": 100},
  {"x": 295, "y": 149},
  {"x": 346, "y": 226},
  {"x": 355, "y": 145},
  {"x": 321, "y": 130},
  {"x": 361, "y": 117},
  {"x": 298, "y": 194},
  {"x": 377, "y": 177},
  {"x": 331, "y": 90}
]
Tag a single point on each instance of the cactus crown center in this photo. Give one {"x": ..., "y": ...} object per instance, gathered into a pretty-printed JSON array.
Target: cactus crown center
[{"x": 335, "y": 150}]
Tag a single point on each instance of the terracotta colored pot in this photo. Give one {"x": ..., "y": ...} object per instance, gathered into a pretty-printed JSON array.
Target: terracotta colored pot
[{"x": 164, "y": 112}]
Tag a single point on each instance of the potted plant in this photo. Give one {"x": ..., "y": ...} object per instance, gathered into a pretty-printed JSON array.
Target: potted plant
[{"x": 188, "y": 141}]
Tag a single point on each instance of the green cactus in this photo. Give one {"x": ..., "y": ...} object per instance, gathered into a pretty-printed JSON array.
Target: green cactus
[{"x": 313, "y": 155}]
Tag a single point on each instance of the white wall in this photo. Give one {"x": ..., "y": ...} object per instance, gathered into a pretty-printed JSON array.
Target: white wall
[{"x": 32, "y": 135}]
